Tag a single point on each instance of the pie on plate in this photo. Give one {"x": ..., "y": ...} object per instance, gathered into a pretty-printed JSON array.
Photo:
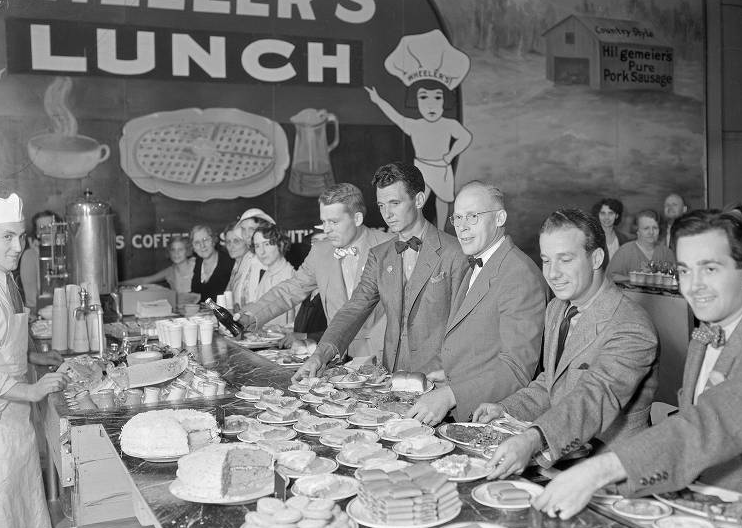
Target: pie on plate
[
  {"x": 423, "y": 447},
  {"x": 641, "y": 509},
  {"x": 506, "y": 494},
  {"x": 326, "y": 486}
]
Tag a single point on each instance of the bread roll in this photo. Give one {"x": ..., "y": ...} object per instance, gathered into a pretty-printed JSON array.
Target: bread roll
[{"x": 409, "y": 381}]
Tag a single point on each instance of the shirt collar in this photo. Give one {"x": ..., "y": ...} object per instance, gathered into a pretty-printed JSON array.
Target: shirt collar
[
  {"x": 487, "y": 253},
  {"x": 584, "y": 306},
  {"x": 419, "y": 235},
  {"x": 729, "y": 328},
  {"x": 359, "y": 240}
]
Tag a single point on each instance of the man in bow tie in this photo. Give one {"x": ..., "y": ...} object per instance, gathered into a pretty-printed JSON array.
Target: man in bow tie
[
  {"x": 492, "y": 342},
  {"x": 333, "y": 267},
  {"x": 600, "y": 355},
  {"x": 703, "y": 440},
  {"x": 412, "y": 277}
]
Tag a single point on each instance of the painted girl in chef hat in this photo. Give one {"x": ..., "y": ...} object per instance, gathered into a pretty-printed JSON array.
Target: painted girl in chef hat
[{"x": 431, "y": 69}]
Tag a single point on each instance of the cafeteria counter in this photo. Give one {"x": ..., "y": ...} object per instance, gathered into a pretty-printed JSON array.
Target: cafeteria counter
[{"x": 109, "y": 485}]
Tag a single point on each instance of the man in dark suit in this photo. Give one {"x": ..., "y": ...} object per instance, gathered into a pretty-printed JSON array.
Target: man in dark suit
[
  {"x": 333, "y": 267},
  {"x": 492, "y": 341},
  {"x": 703, "y": 440},
  {"x": 600, "y": 355},
  {"x": 414, "y": 278}
]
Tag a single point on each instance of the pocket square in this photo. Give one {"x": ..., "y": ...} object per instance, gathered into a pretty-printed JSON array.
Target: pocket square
[
  {"x": 438, "y": 278},
  {"x": 389, "y": 269},
  {"x": 584, "y": 366},
  {"x": 716, "y": 377}
]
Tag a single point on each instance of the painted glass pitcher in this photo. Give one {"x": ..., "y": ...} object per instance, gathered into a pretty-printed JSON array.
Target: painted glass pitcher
[{"x": 311, "y": 172}]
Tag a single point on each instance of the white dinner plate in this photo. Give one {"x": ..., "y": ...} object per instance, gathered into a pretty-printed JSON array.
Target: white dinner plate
[
  {"x": 318, "y": 466},
  {"x": 422, "y": 429},
  {"x": 263, "y": 341},
  {"x": 323, "y": 410},
  {"x": 383, "y": 454},
  {"x": 341, "y": 424},
  {"x": 358, "y": 420},
  {"x": 653, "y": 509},
  {"x": 368, "y": 437},
  {"x": 387, "y": 467},
  {"x": 482, "y": 496},
  {"x": 475, "y": 471},
  {"x": 271, "y": 419},
  {"x": 260, "y": 404},
  {"x": 315, "y": 486},
  {"x": 252, "y": 437},
  {"x": 358, "y": 513},
  {"x": 444, "y": 446},
  {"x": 249, "y": 397},
  {"x": 182, "y": 492}
]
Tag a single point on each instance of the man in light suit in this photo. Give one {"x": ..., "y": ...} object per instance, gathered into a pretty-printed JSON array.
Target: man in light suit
[
  {"x": 703, "y": 440},
  {"x": 492, "y": 341},
  {"x": 413, "y": 277},
  {"x": 334, "y": 267},
  {"x": 600, "y": 355}
]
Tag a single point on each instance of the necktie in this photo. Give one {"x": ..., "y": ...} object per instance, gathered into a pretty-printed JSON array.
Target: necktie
[
  {"x": 341, "y": 253},
  {"x": 709, "y": 335},
  {"x": 260, "y": 275},
  {"x": 563, "y": 331},
  {"x": 474, "y": 262},
  {"x": 15, "y": 294},
  {"x": 413, "y": 243}
]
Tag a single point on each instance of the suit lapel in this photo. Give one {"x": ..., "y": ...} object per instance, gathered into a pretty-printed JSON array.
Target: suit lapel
[
  {"x": 391, "y": 272},
  {"x": 723, "y": 365},
  {"x": 364, "y": 244},
  {"x": 427, "y": 260},
  {"x": 585, "y": 329},
  {"x": 693, "y": 363},
  {"x": 468, "y": 301}
]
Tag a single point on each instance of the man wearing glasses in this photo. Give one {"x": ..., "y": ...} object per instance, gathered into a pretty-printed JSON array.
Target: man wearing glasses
[{"x": 492, "y": 341}]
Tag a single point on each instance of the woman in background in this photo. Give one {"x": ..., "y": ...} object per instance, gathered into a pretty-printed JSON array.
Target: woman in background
[
  {"x": 270, "y": 246},
  {"x": 28, "y": 269},
  {"x": 609, "y": 212},
  {"x": 180, "y": 273},
  {"x": 636, "y": 255},
  {"x": 213, "y": 267},
  {"x": 237, "y": 248}
]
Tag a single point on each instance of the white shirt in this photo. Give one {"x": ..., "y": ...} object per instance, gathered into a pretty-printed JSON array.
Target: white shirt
[
  {"x": 485, "y": 256},
  {"x": 709, "y": 360}
]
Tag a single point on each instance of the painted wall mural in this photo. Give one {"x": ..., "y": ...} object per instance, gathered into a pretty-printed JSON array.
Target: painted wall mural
[{"x": 181, "y": 112}]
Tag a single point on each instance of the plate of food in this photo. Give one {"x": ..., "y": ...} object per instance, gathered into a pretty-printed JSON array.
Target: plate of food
[
  {"x": 254, "y": 393},
  {"x": 282, "y": 416},
  {"x": 299, "y": 509},
  {"x": 364, "y": 394},
  {"x": 473, "y": 437},
  {"x": 252, "y": 340},
  {"x": 294, "y": 464},
  {"x": 351, "y": 380},
  {"x": 315, "y": 426},
  {"x": 281, "y": 446},
  {"x": 423, "y": 447},
  {"x": 400, "y": 428},
  {"x": 337, "y": 438},
  {"x": 316, "y": 398},
  {"x": 256, "y": 431},
  {"x": 356, "y": 454},
  {"x": 371, "y": 417},
  {"x": 326, "y": 486},
  {"x": 376, "y": 375},
  {"x": 641, "y": 509},
  {"x": 234, "y": 424},
  {"x": 283, "y": 402},
  {"x": 607, "y": 495},
  {"x": 717, "y": 504},
  {"x": 682, "y": 521},
  {"x": 291, "y": 360},
  {"x": 318, "y": 385},
  {"x": 341, "y": 409},
  {"x": 371, "y": 468},
  {"x": 461, "y": 468},
  {"x": 361, "y": 515},
  {"x": 154, "y": 459},
  {"x": 507, "y": 494},
  {"x": 186, "y": 493}
]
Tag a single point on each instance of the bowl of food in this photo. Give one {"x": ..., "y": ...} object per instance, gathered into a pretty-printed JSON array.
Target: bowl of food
[{"x": 137, "y": 358}]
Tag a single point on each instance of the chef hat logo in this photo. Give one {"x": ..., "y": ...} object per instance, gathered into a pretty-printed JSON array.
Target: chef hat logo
[
  {"x": 428, "y": 56},
  {"x": 11, "y": 209}
]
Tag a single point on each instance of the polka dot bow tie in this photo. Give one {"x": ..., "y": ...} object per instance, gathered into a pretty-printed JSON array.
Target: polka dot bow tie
[
  {"x": 709, "y": 335},
  {"x": 341, "y": 253}
]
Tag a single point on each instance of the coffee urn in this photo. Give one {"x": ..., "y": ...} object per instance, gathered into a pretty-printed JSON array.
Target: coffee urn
[{"x": 91, "y": 244}]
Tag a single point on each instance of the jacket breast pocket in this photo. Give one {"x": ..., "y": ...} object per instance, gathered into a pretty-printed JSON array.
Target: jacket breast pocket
[{"x": 440, "y": 277}]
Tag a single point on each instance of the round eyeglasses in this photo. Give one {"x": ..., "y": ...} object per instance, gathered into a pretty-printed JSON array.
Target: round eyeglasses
[{"x": 471, "y": 218}]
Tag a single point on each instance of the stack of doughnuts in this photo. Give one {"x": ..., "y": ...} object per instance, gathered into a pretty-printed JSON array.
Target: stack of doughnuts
[
  {"x": 417, "y": 494},
  {"x": 296, "y": 512}
]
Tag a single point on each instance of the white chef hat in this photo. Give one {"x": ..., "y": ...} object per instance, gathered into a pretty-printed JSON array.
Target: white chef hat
[
  {"x": 428, "y": 56},
  {"x": 254, "y": 212},
  {"x": 11, "y": 209}
]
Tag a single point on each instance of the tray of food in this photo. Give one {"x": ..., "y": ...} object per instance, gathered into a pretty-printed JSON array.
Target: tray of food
[{"x": 473, "y": 437}]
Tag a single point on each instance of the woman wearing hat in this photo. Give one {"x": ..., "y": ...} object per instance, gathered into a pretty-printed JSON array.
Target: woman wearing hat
[{"x": 250, "y": 220}]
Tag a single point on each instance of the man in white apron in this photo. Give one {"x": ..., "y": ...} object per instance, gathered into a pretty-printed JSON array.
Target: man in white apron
[{"x": 22, "y": 502}]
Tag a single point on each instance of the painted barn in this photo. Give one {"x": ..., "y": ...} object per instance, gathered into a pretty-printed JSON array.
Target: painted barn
[{"x": 608, "y": 53}]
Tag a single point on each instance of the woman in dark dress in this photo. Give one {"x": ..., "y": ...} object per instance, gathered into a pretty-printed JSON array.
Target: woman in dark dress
[{"x": 213, "y": 268}]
